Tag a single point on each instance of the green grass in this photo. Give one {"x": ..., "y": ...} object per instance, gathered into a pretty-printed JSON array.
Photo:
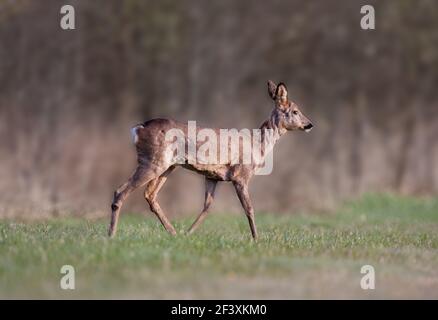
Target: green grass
[{"x": 297, "y": 256}]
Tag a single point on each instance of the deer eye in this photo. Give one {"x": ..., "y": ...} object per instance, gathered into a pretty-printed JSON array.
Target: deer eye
[{"x": 295, "y": 112}]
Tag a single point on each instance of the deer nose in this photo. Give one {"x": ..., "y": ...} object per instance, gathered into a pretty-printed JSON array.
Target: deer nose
[{"x": 308, "y": 127}]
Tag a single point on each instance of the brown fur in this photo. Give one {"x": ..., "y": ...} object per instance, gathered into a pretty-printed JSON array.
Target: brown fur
[{"x": 155, "y": 164}]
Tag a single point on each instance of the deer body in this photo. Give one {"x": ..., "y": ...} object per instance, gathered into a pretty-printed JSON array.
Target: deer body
[{"x": 156, "y": 161}]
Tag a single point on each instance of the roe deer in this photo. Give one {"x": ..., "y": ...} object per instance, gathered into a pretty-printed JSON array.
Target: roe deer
[{"x": 156, "y": 161}]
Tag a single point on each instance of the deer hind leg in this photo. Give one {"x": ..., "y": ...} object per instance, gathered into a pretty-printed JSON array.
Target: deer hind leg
[
  {"x": 243, "y": 194},
  {"x": 150, "y": 194},
  {"x": 210, "y": 188},
  {"x": 141, "y": 176}
]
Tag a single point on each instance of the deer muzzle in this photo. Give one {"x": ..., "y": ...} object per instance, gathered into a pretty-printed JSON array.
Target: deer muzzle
[{"x": 308, "y": 127}]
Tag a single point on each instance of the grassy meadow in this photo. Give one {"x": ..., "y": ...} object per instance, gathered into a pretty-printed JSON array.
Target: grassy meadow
[{"x": 303, "y": 255}]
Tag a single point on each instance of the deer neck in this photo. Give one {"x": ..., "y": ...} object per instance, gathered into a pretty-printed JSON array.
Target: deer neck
[{"x": 271, "y": 132}]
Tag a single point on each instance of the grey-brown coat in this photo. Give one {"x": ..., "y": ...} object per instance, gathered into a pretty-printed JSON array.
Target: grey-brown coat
[{"x": 156, "y": 161}]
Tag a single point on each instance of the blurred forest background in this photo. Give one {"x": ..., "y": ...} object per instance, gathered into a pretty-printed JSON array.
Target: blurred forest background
[{"x": 69, "y": 98}]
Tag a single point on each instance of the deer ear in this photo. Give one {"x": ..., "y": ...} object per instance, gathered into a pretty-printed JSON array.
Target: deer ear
[
  {"x": 272, "y": 88},
  {"x": 281, "y": 92}
]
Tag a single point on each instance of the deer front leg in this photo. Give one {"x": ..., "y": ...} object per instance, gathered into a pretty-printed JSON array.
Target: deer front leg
[
  {"x": 243, "y": 194},
  {"x": 210, "y": 188}
]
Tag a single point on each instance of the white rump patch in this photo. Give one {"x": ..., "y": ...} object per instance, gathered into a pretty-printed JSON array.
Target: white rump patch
[{"x": 134, "y": 135}]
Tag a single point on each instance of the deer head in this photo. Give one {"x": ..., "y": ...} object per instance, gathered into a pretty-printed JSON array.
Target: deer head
[{"x": 286, "y": 114}]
